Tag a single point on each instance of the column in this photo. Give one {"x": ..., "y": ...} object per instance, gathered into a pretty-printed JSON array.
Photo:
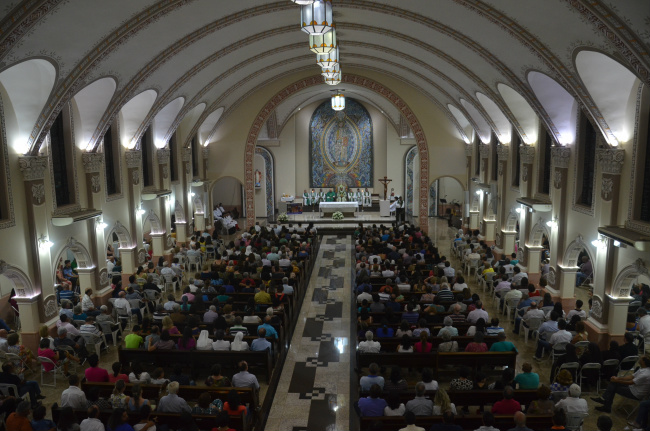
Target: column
[
  {"x": 557, "y": 281},
  {"x": 206, "y": 198},
  {"x": 134, "y": 187},
  {"x": 527, "y": 158},
  {"x": 503, "y": 154},
  {"x": 613, "y": 309},
  {"x": 186, "y": 180},
  {"x": 468, "y": 170},
  {"x": 164, "y": 183},
  {"x": 38, "y": 220}
]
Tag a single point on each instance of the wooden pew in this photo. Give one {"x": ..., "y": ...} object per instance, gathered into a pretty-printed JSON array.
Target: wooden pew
[
  {"x": 189, "y": 393},
  {"x": 438, "y": 361},
  {"x": 198, "y": 358},
  {"x": 472, "y": 422},
  {"x": 390, "y": 344},
  {"x": 173, "y": 420},
  {"x": 480, "y": 398}
]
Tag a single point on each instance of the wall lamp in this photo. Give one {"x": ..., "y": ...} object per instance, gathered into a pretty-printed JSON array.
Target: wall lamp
[
  {"x": 552, "y": 223},
  {"x": 599, "y": 242},
  {"x": 44, "y": 242}
]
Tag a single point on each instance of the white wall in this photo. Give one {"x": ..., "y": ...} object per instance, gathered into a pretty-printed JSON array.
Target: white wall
[{"x": 228, "y": 192}]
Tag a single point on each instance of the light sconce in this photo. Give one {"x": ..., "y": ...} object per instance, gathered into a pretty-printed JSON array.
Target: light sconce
[
  {"x": 599, "y": 243},
  {"x": 552, "y": 223},
  {"x": 101, "y": 225},
  {"x": 140, "y": 211},
  {"x": 518, "y": 210},
  {"x": 44, "y": 242},
  {"x": 478, "y": 192},
  {"x": 197, "y": 183},
  {"x": 192, "y": 194}
]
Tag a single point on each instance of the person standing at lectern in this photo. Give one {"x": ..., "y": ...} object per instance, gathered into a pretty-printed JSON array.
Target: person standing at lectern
[{"x": 399, "y": 210}]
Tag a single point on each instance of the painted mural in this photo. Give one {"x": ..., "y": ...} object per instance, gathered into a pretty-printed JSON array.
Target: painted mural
[{"x": 340, "y": 146}]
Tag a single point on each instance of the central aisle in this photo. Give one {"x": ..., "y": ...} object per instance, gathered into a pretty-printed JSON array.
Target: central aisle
[{"x": 314, "y": 388}]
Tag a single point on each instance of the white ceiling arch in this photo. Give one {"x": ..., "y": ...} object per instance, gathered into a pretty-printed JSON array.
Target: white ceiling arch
[
  {"x": 164, "y": 119},
  {"x": 132, "y": 114},
  {"x": 483, "y": 128},
  {"x": 561, "y": 106},
  {"x": 498, "y": 118},
  {"x": 208, "y": 124},
  {"x": 463, "y": 121},
  {"x": 90, "y": 104},
  {"x": 526, "y": 116},
  {"x": 614, "y": 89}
]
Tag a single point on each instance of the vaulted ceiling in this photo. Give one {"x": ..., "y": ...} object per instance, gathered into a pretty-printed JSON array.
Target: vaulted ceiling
[{"x": 471, "y": 58}]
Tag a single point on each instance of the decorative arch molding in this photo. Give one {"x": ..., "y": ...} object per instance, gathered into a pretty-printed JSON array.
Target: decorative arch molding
[
  {"x": 154, "y": 220},
  {"x": 537, "y": 232},
  {"x": 367, "y": 83},
  {"x": 570, "y": 258},
  {"x": 198, "y": 205},
  {"x": 409, "y": 170},
  {"x": 511, "y": 221},
  {"x": 80, "y": 252},
  {"x": 623, "y": 282},
  {"x": 475, "y": 205},
  {"x": 270, "y": 179},
  {"x": 179, "y": 212},
  {"x": 123, "y": 235},
  {"x": 22, "y": 284}
]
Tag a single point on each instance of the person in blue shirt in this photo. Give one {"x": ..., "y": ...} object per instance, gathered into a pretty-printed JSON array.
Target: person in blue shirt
[
  {"x": 270, "y": 330},
  {"x": 261, "y": 343},
  {"x": 69, "y": 274},
  {"x": 39, "y": 423},
  {"x": 373, "y": 405},
  {"x": 385, "y": 331}
]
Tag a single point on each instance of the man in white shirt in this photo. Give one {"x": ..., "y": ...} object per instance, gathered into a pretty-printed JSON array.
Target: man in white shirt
[
  {"x": 166, "y": 270},
  {"x": 512, "y": 294},
  {"x": 643, "y": 326},
  {"x": 217, "y": 213},
  {"x": 635, "y": 387},
  {"x": 369, "y": 346},
  {"x": 110, "y": 264},
  {"x": 73, "y": 396},
  {"x": 573, "y": 403},
  {"x": 284, "y": 262},
  {"x": 286, "y": 288},
  {"x": 518, "y": 275},
  {"x": 92, "y": 423},
  {"x": 169, "y": 305},
  {"x": 478, "y": 313},
  {"x": 488, "y": 422},
  {"x": 87, "y": 304},
  {"x": 387, "y": 272},
  {"x": 546, "y": 342},
  {"x": 63, "y": 323},
  {"x": 577, "y": 311},
  {"x": 122, "y": 302},
  {"x": 372, "y": 258},
  {"x": 364, "y": 295},
  {"x": 449, "y": 271},
  {"x": 532, "y": 313}
]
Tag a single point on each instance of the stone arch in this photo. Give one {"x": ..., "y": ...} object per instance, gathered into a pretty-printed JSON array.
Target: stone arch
[
  {"x": 537, "y": 233},
  {"x": 570, "y": 258},
  {"x": 80, "y": 252},
  {"x": 179, "y": 212},
  {"x": 433, "y": 198},
  {"x": 511, "y": 222},
  {"x": 22, "y": 284},
  {"x": 123, "y": 235},
  {"x": 270, "y": 179},
  {"x": 154, "y": 220},
  {"x": 623, "y": 282},
  {"x": 288, "y": 91}
]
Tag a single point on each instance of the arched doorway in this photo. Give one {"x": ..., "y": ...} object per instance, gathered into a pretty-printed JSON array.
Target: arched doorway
[
  {"x": 447, "y": 199},
  {"x": 118, "y": 237},
  {"x": 229, "y": 192},
  {"x": 265, "y": 187},
  {"x": 579, "y": 256}
]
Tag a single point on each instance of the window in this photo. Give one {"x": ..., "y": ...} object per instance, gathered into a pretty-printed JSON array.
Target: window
[
  {"x": 61, "y": 163},
  {"x": 644, "y": 210},
  {"x": 495, "y": 159},
  {"x": 477, "y": 170},
  {"x": 195, "y": 158},
  {"x": 4, "y": 197},
  {"x": 172, "y": 158},
  {"x": 544, "y": 178},
  {"x": 516, "y": 159},
  {"x": 147, "y": 157},
  {"x": 112, "y": 163},
  {"x": 586, "y": 162}
]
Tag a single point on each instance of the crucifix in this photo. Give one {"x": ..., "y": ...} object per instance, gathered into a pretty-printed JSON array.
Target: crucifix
[{"x": 385, "y": 182}]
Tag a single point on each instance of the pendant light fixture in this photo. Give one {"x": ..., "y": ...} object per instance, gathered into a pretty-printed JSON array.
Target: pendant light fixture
[
  {"x": 338, "y": 101},
  {"x": 323, "y": 43},
  {"x": 327, "y": 61},
  {"x": 302, "y": 2},
  {"x": 316, "y": 17},
  {"x": 332, "y": 73},
  {"x": 335, "y": 79}
]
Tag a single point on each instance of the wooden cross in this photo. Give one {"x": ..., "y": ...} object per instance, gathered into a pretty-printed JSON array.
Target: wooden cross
[{"x": 385, "y": 182}]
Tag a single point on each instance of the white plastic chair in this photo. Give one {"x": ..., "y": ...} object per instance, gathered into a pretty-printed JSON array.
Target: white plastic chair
[
  {"x": 557, "y": 350},
  {"x": 511, "y": 305},
  {"x": 93, "y": 343},
  {"x": 590, "y": 366},
  {"x": 533, "y": 325},
  {"x": 12, "y": 391},
  {"x": 488, "y": 281},
  {"x": 55, "y": 368},
  {"x": 574, "y": 421},
  {"x": 124, "y": 315},
  {"x": 473, "y": 264},
  {"x": 193, "y": 263},
  {"x": 153, "y": 296},
  {"x": 169, "y": 282},
  {"x": 107, "y": 329},
  {"x": 137, "y": 303},
  {"x": 582, "y": 345}
]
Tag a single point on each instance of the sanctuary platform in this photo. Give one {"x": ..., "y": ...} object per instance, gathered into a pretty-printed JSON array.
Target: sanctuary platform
[{"x": 325, "y": 225}]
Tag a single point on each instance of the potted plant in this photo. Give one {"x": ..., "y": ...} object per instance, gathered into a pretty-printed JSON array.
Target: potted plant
[
  {"x": 338, "y": 215},
  {"x": 283, "y": 217}
]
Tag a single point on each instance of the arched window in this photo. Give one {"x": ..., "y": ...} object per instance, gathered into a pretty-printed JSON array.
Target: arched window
[
  {"x": 587, "y": 144},
  {"x": 195, "y": 157},
  {"x": 147, "y": 157},
  {"x": 544, "y": 177},
  {"x": 516, "y": 159},
  {"x": 112, "y": 162},
  {"x": 6, "y": 214},
  {"x": 173, "y": 148},
  {"x": 642, "y": 212},
  {"x": 495, "y": 158},
  {"x": 61, "y": 151}
]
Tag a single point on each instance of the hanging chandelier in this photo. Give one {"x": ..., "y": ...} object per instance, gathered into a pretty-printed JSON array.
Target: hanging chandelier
[
  {"x": 332, "y": 72},
  {"x": 316, "y": 17},
  {"x": 301, "y": 2},
  {"x": 334, "y": 80},
  {"x": 327, "y": 61},
  {"x": 338, "y": 101},
  {"x": 323, "y": 43}
]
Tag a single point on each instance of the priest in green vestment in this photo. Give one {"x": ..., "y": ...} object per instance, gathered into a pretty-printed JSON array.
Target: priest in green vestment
[{"x": 330, "y": 196}]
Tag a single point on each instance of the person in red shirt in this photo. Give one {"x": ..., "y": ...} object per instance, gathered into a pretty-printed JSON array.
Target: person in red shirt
[
  {"x": 507, "y": 406},
  {"x": 477, "y": 345},
  {"x": 234, "y": 406},
  {"x": 116, "y": 374},
  {"x": 45, "y": 352},
  {"x": 18, "y": 420},
  {"x": 94, "y": 373},
  {"x": 423, "y": 346},
  {"x": 222, "y": 422}
]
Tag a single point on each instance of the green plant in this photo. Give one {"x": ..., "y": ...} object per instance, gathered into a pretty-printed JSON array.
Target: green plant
[
  {"x": 283, "y": 217},
  {"x": 338, "y": 215}
]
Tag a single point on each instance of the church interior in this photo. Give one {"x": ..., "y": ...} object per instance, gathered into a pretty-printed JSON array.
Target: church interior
[{"x": 159, "y": 151}]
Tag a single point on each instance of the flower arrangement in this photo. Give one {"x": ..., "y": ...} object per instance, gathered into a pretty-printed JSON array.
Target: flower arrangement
[
  {"x": 338, "y": 216},
  {"x": 283, "y": 217}
]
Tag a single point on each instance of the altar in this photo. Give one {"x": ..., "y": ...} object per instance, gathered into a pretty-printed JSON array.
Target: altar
[{"x": 331, "y": 207}]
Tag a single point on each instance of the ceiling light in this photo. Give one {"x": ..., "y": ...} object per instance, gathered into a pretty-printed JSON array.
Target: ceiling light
[
  {"x": 328, "y": 60},
  {"x": 335, "y": 80},
  {"x": 322, "y": 43},
  {"x": 44, "y": 242},
  {"x": 331, "y": 73},
  {"x": 338, "y": 101},
  {"x": 301, "y": 2},
  {"x": 316, "y": 17}
]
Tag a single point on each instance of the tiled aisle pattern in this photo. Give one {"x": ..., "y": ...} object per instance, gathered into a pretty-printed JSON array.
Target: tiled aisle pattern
[{"x": 314, "y": 389}]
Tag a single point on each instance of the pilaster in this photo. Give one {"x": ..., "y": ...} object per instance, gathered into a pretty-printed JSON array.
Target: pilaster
[
  {"x": 186, "y": 180},
  {"x": 527, "y": 158},
  {"x": 560, "y": 158},
  {"x": 134, "y": 185},
  {"x": 503, "y": 154}
]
